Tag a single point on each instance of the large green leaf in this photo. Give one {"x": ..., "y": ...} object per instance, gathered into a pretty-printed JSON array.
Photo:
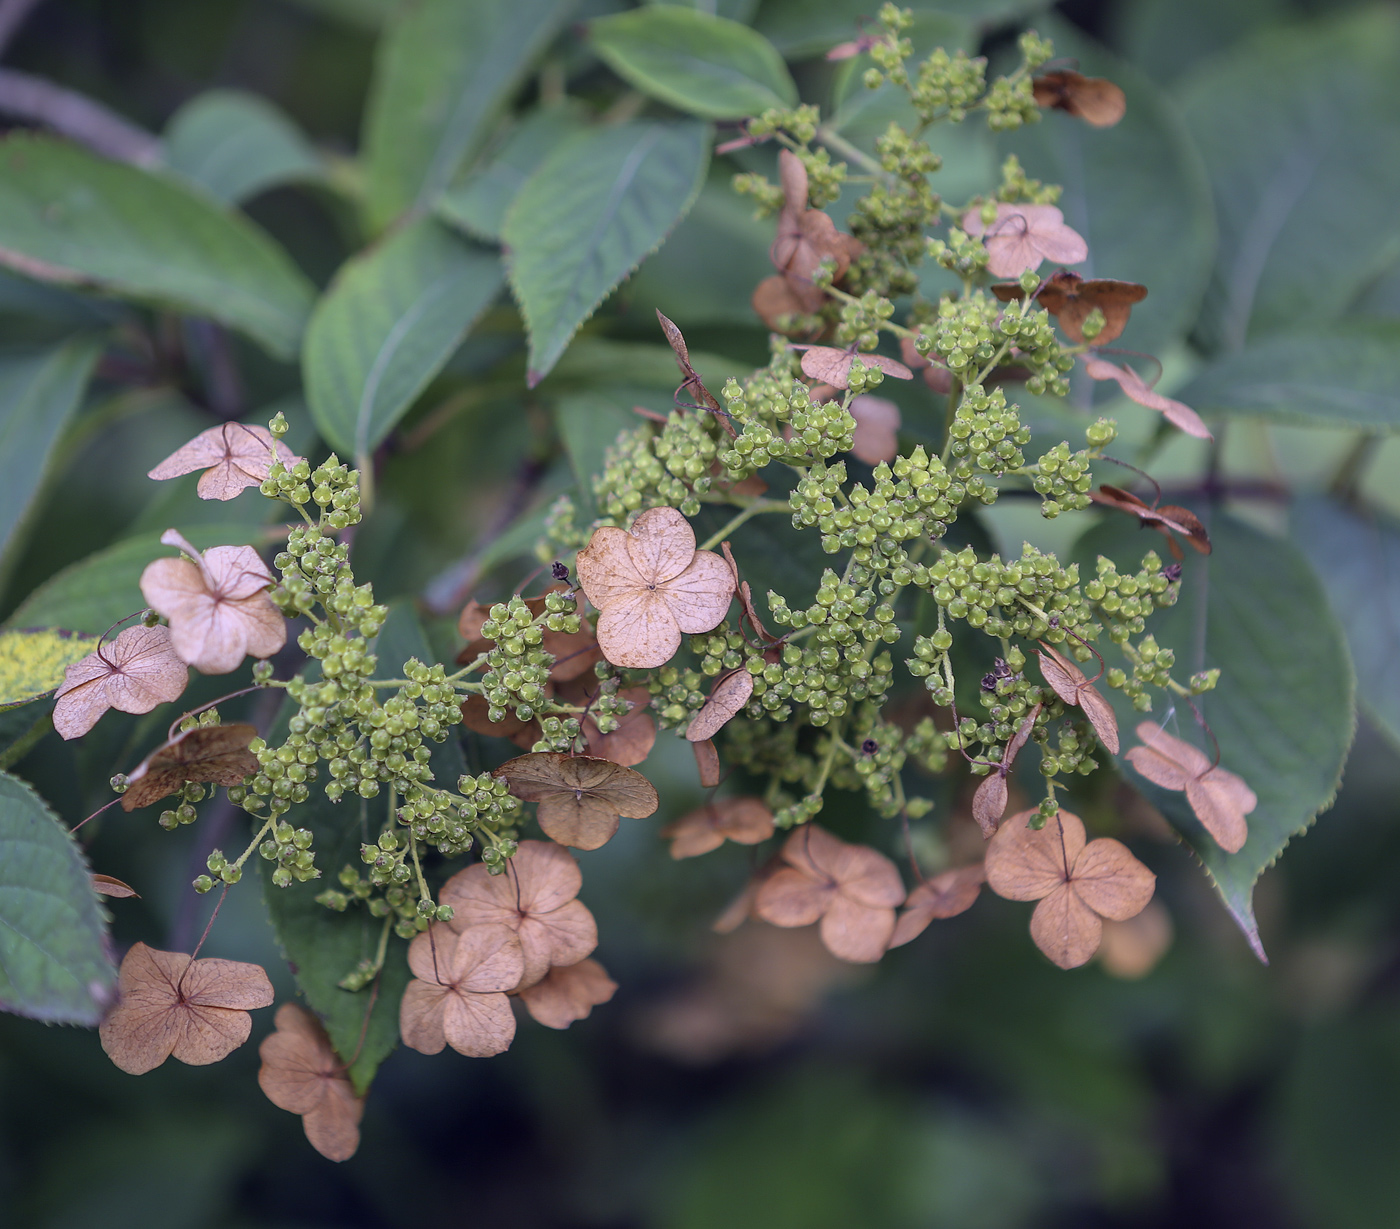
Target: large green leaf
[
  {"x": 1166, "y": 38},
  {"x": 32, "y": 662},
  {"x": 102, "y": 589},
  {"x": 478, "y": 201},
  {"x": 70, "y": 217},
  {"x": 1136, "y": 192},
  {"x": 444, "y": 71},
  {"x": 707, "y": 65},
  {"x": 53, "y": 957},
  {"x": 804, "y": 28},
  {"x": 235, "y": 145},
  {"x": 38, "y": 395},
  {"x": 324, "y": 946},
  {"x": 390, "y": 320},
  {"x": 1325, "y": 377},
  {"x": 1284, "y": 710},
  {"x": 1300, "y": 130},
  {"x": 1356, "y": 553},
  {"x": 589, "y": 215}
]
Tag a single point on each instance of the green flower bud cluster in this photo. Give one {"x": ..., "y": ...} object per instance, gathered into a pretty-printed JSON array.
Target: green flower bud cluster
[
  {"x": 290, "y": 848},
  {"x": 948, "y": 86},
  {"x": 1064, "y": 480},
  {"x": 1123, "y": 602},
  {"x": 184, "y": 813},
  {"x": 961, "y": 253},
  {"x": 800, "y": 123},
  {"x": 768, "y": 196},
  {"x": 1010, "y": 104},
  {"x": 643, "y": 467},
  {"x": 679, "y": 694},
  {"x": 331, "y": 486},
  {"x": 562, "y": 535},
  {"x": 859, "y": 325},
  {"x": 879, "y": 755},
  {"x": 874, "y": 522},
  {"x": 985, "y": 435},
  {"x": 1073, "y": 753},
  {"x": 891, "y": 220},
  {"x": 780, "y": 422},
  {"x": 767, "y": 746},
  {"x": 518, "y": 664},
  {"x": 927, "y": 746},
  {"x": 1016, "y": 186},
  {"x": 804, "y": 810},
  {"x": 316, "y": 569}
]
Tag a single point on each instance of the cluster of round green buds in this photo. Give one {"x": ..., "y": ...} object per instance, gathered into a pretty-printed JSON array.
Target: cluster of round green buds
[
  {"x": 1101, "y": 433},
  {"x": 1152, "y": 667},
  {"x": 986, "y": 435},
  {"x": 799, "y": 812},
  {"x": 497, "y": 857},
  {"x": 1064, "y": 479},
  {"x": 824, "y": 178},
  {"x": 879, "y": 757},
  {"x": 1011, "y": 103},
  {"x": 903, "y": 155},
  {"x": 1073, "y": 753},
  {"x": 961, "y": 253},
  {"x": 720, "y": 650},
  {"x": 1035, "y": 50},
  {"x": 290, "y": 848},
  {"x": 890, "y": 219},
  {"x": 948, "y": 85},
  {"x": 633, "y": 477},
  {"x": 687, "y": 446},
  {"x": 1125, "y": 601},
  {"x": 184, "y": 813},
  {"x": 767, "y": 747},
  {"x": 316, "y": 568},
  {"x": 800, "y": 123},
  {"x": 889, "y": 54},
  {"x": 859, "y": 325},
  {"x": 518, "y": 664},
  {"x": 967, "y": 336},
  {"x": 562, "y": 535},
  {"x": 609, "y": 707},
  {"x": 355, "y": 888},
  {"x": 819, "y": 430},
  {"x": 1017, "y": 186},
  {"x": 1031, "y": 597},
  {"x": 927, "y": 746},
  {"x": 768, "y": 196},
  {"x": 679, "y": 695},
  {"x": 284, "y": 773},
  {"x": 222, "y": 870}
]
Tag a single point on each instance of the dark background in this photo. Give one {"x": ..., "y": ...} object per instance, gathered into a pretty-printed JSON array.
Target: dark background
[{"x": 749, "y": 1082}]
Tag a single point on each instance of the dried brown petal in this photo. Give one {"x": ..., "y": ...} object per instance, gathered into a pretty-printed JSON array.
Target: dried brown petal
[
  {"x": 1022, "y": 236},
  {"x": 234, "y": 457},
  {"x": 1166, "y": 518},
  {"x": 853, "y": 889},
  {"x": 535, "y": 897},
  {"x": 792, "y": 174},
  {"x": 944, "y": 896},
  {"x": 580, "y": 797},
  {"x": 746, "y": 821},
  {"x": 300, "y": 1072},
  {"x": 877, "y": 422},
  {"x": 1132, "y": 948},
  {"x": 833, "y": 366},
  {"x": 725, "y": 701},
  {"x": 568, "y": 994},
  {"x": 196, "y": 1010},
  {"x": 651, "y": 585},
  {"x": 471, "y": 621},
  {"x": 1095, "y": 100},
  {"x": 707, "y": 763},
  {"x": 133, "y": 674},
  {"x": 1076, "y": 883},
  {"x": 105, "y": 885},
  {"x": 775, "y": 300},
  {"x": 745, "y": 597},
  {"x": 1181, "y": 416},
  {"x": 217, "y": 604},
  {"x": 989, "y": 803},
  {"x": 214, "y": 753},
  {"x": 676, "y": 340},
  {"x": 631, "y": 742},
  {"x": 1068, "y": 682},
  {"x": 1219, "y": 798},
  {"x": 457, "y": 995},
  {"x": 1070, "y": 299}
]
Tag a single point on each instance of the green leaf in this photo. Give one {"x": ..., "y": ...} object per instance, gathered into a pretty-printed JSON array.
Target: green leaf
[
  {"x": 478, "y": 202},
  {"x": 801, "y": 29},
  {"x": 324, "y": 946},
  {"x": 235, "y": 145},
  {"x": 32, "y": 662},
  {"x": 1356, "y": 553},
  {"x": 1284, "y": 710},
  {"x": 70, "y": 217},
  {"x": 443, "y": 73},
  {"x": 588, "y": 424},
  {"x": 1300, "y": 130},
  {"x": 53, "y": 958},
  {"x": 1151, "y": 224},
  {"x": 390, "y": 320},
  {"x": 38, "y": 395},
  {"x": 1327, "y": 377},
  {"x": 590, "y": 215},
  {"x": 706, "y": 65},
  {"x": 92, "y": 594}
]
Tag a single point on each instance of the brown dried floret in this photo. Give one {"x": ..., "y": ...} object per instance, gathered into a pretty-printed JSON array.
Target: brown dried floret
[
  {"x": 234, "y": 457},
  {"x": 1095, "y": 100},
  {"x": 1070, "y": 298},
  {"x": 1167, "y": 519},
  {"x": 136, "y": 672},
  {"x": 1077, "y": 883},
  {"x": 212, "y": 753},
  {"x": 1070, "y": 683},
  {"x": 1179, "y": 414},
  {"x": 568, "y": 994},
  {"x": 944, "y": 896},
  {"x": 195, "y": 1010},
  {"x": 301, "y": 1072},
  {"x": 726, "y": 699},
  {"x": 746, "y": 821},
  {"x": 580, "y": 797},
  {"x": 1220, "y": 799},
  {"x": 1022, "y": 236},
  {"x": 458, "y": 993}
]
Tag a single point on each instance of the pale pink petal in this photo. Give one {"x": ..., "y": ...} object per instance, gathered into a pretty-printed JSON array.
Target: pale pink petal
[{"x": 661, "y": 544}]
